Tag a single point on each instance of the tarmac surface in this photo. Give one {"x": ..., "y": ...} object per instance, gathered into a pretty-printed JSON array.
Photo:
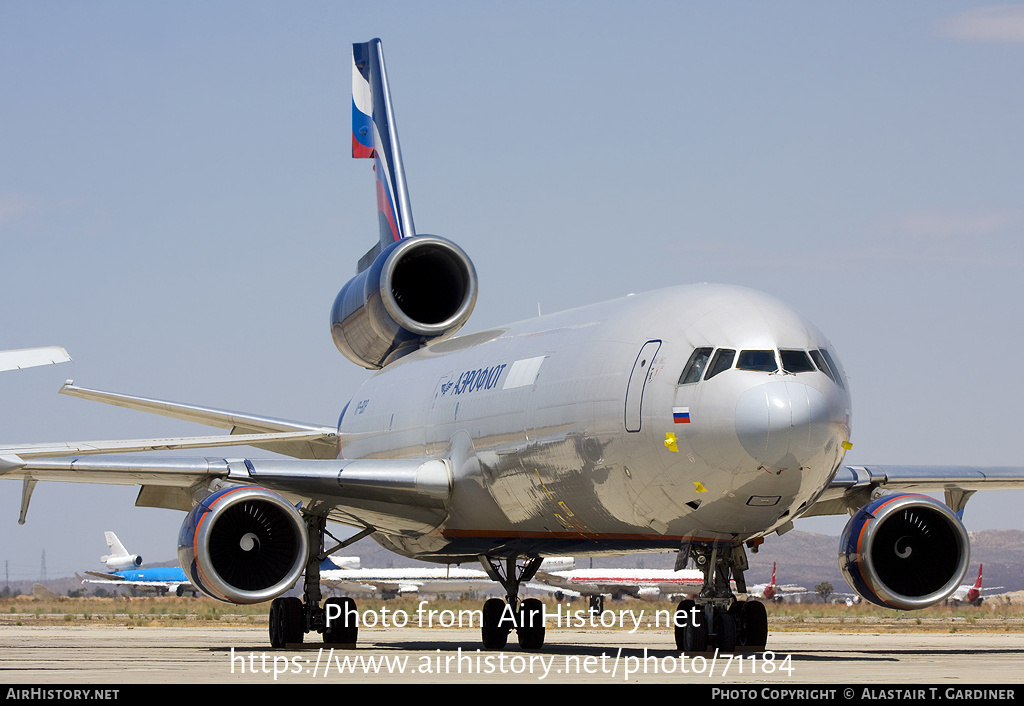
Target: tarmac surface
[{"x": 109, "y": 655}]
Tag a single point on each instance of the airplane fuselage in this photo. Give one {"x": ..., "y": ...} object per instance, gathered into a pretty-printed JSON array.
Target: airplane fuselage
[{"x": 576, "y": 427}]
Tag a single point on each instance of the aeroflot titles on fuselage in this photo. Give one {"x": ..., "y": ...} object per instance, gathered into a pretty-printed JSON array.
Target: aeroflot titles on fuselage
[
  {"x": 468, "y": 381},
  {"x": 473, "y": 380}
]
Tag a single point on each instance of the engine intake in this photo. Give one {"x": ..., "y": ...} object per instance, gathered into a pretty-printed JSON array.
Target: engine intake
[
  {"x": 243, "y": 545},
  {"x": 904, "y": 551},
  {"x": 417, "y": 290}
]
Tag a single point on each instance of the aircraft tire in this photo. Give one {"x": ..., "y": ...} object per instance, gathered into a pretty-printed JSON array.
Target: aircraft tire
[
  {"x": 494, "y": 634},
  {"x": 287, "y": 624},
  {"x": 338, "y": 632},
  {"x": 531, "y": 624},
  {"x": 751, "y": 624},
  {"x": 681, "y": 620},
  {"x": 690, "y": 636},
  {"x": 725, "y": 631}
]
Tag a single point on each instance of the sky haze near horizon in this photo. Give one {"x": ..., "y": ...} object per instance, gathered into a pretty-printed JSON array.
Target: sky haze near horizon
[{"x": 178, "y": 205}]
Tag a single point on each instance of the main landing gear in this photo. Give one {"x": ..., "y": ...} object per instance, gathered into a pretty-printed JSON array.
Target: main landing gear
[
  {"x": 291, "y": 618},
  {"x": 500, "y": 617},
  {"x": 715, "y": 620}
]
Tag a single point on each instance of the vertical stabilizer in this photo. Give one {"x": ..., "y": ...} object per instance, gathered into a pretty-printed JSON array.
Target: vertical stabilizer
[
  {"x": 374, "y": 135},
  {"x": 116, "y": 548}
]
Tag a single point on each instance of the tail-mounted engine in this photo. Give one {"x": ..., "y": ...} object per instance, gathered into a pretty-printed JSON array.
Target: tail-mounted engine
[
  {"x": 120, "y": 563},
  {"x": 243, "y": 545},
  {"x": 418, "y": 290},
  {"x": 904, "y": 551}
]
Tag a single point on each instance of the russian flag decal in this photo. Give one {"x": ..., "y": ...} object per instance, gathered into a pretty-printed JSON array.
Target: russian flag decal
[{"x": 681, "y": 415}]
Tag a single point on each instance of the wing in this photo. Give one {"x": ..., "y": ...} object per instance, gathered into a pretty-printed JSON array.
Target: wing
[
  {"x": 852, "y": 486},
  {"x": 26, "y": 462},
  {"x": 407, "y": 495},
  {"x": 320, "y": 441},
  {"x": 31, "y": 357},
  {"x": 14, "y": 455}
]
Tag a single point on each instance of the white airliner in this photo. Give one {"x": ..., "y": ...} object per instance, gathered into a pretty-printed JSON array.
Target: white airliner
[
  {"x": 971, "y": 593},
  {"x": 31, "y": 357},
  {"x": 651, "y": 584},
  {"x": 390, "y": 583},
  {"x": 770, "y": 591},
  {"x": 694, "y": 419}
]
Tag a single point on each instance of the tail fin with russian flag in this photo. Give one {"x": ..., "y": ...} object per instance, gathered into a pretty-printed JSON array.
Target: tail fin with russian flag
[{"x": 374, "y": 135}]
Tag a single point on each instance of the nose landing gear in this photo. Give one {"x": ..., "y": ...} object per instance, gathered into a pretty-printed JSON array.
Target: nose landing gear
[{"x": 714, "y": 619}]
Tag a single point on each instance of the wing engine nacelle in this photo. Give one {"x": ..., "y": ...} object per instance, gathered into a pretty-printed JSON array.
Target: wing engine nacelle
[
  {"x": 904, "y": 551},
  {"x": 417, "y": 290},
  {"x": 243, "y": 545}
]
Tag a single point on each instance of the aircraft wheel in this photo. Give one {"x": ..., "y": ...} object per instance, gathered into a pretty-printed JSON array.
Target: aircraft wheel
[
  {"x": 725, "y": 631},
  {"x": 531, "y": 624},
  {"x": 691, "y": 635},
  {"x": 494, "y": 633},
  {"x": 287, "y": 623},
  {"x": 339, "y": 631},
  {"x": 751, "y": 624},
  {"x": 682, "y": 619}
]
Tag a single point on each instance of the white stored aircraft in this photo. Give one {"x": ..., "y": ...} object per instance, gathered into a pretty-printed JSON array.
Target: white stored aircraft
[
  {"x": 639, "y": 583},
  {"x": 31, "y": 357},
  {"x": 971, "y": 593},
  {"x": 697, "y": 419},
  {"x": 770, "y": 591},
  {"x": 341, "y": 574}
]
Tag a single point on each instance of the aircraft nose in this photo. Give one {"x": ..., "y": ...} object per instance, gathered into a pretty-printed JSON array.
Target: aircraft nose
[{"x": 783, "y": 423}]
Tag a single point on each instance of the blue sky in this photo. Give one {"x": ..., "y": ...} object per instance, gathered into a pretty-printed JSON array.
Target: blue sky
[{"x": 178, "y": 206}]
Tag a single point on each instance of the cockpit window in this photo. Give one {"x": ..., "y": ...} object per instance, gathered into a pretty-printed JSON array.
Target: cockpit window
[
  {"x": 762, "y": 361},
  {"x": 795, "y": 361},
  {"x": 819, "y": 360},
  {"x": 722, "y": 361},
  {"x": 695, "y": 366},
  {"x": 828, "y": 366}
]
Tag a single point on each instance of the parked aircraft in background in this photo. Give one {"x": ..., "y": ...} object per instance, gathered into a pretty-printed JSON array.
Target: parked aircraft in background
[
  {"x": 31, "y": 357},
  {"x": 123, "y": 574},
  {"x": 395, "y": 582},
  {"x": 770, "y": 591},
  {"x": 696, "y": 419},
  {"x": 119, "y": 558},
  {"x": 617, "y": 583},
  {"x": 158, "y": 579},
  {"x": 971, "y": 593}
]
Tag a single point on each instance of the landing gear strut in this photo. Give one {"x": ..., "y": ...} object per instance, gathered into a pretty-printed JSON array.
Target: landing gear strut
[
  {"x": 501, "y": 617},
  {"x": 715, "y": 619},
  {"x": 291, "y": 617}
]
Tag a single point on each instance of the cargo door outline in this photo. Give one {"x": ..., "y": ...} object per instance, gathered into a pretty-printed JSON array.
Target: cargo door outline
[{"x": 637, "y": 382}]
